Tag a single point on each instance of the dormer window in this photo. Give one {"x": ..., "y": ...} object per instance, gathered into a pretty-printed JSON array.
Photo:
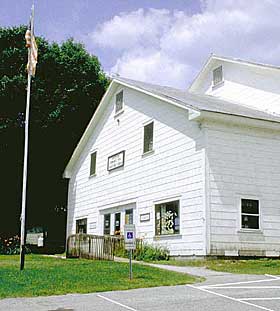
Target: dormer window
[
  {"x": 218, "y": 75},
  {"x": 119, "y": 102}
]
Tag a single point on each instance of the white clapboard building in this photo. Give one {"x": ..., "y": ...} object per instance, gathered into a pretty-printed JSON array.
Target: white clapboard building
[{"x": 197, "y": 170}]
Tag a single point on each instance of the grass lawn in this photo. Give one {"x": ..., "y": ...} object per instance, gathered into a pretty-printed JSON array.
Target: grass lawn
[
  {"x": 249, "y": 266},
  {"x": 52, "y": 276}
]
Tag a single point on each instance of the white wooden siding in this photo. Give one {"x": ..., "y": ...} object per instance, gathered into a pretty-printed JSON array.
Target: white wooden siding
[
  {"x": 175, "y": 169},
  {"x": 243, "y": 162}
]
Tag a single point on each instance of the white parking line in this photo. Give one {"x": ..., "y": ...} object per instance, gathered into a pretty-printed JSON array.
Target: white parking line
[
  {"x": 244, "y": 282},
  {"x": 230, "y": 298},
  {"x": 242, "y": 287},
  {"x": 116, "y": 303},
  {"x": 273, "y": 276},
  {"x": 263, "y": 298}
]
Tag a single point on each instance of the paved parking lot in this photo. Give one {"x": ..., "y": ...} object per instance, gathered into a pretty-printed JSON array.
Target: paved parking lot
[{"x": 231, "y": 293}]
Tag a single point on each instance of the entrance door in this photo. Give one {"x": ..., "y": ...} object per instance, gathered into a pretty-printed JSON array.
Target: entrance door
[{"x": 117, "y": 224}]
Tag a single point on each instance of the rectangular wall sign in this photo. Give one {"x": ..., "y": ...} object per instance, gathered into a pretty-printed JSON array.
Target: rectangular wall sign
[
  {"x": 145, "y": 217},
  {"x": 116, "y": 161}
]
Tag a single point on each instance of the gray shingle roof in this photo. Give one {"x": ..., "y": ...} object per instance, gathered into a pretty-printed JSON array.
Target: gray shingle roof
[{"x": 201, "y": 102}]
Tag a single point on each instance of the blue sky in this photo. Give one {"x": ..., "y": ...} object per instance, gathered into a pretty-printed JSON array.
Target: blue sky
[{"x": 159, "y": 41}]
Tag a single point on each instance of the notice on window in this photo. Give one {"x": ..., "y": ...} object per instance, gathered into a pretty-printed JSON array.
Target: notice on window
[{"x": 115, "y": 161}]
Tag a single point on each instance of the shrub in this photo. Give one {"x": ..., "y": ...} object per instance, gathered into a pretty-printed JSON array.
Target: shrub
[
  {"x": 152, "y": 253},
  {"x": 11, "y": 246}
]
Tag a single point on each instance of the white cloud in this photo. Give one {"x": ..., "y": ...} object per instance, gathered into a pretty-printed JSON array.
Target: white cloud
[{"x": 169, "y": 47}]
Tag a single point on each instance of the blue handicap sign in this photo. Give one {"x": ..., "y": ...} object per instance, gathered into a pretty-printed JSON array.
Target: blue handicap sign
[{"x": 129, "y": 235}]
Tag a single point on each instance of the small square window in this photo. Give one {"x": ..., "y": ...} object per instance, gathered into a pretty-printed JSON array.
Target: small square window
[
  {"x": 93, "y": 163},
  {"x": 81, "y": 225},
  {"x": 167, "y": 219},
  {"x": 119, "y": 102},
  {"x": 148, "y": 137},
  {"x": 250, "y": 214},
  {"x": 217, "y": 75}
]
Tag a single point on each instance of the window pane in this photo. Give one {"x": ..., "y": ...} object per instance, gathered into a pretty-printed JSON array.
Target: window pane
[
  {"x": 250, "y": 206},
  {"x": 81, "y": 225},
  {"x": 107, "y": 224},
  {"x": 119, "y": 102},
  {"x": 117, "y": 224},
  {"x": 217, "y": 75},
  {"x": 167, "y": 219},
  {"x": 129, "y": 217},
  {"x": 93, "y": 163},
  {"x": 148, "y": 137},
  {"x": 250, "y": 222}
]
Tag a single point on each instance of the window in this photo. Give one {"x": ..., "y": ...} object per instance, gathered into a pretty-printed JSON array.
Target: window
[
  {"x": 167, "y": 218},
  {"x": 249, "y": 214},
  {"x": 81, "y": 225},
  {"x": 117, "y": 224},
  {"x": 148, "y": 137},
  {"x": 107, "y": 224},
  {"x": 119, "y": 102},
  {"x": 217, "y": 75},
  {"x": 93, "y": 163},
  {"x": 129, "y": 216}
]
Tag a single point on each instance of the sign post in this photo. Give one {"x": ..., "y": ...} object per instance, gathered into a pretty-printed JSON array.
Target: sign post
[{"x": 130, "y": 243}]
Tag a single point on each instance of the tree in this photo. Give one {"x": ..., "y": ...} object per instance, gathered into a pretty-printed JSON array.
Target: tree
[{"x": 66, "y": 90}]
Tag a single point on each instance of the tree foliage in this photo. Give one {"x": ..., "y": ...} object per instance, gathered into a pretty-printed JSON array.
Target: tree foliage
[{"x": 66, "y": 90}]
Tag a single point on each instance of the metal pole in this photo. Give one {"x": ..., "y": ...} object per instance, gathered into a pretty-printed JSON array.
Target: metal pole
[
  {"x": 24, "y": 182},
  {"x": 130, "y": 264}
]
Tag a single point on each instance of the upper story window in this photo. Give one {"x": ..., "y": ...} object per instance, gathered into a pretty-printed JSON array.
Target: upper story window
[
  {"x": 81, "y": 225},
  {"x": 167, "y": 218},
  {"x": 119, "y": 102},
  {"x": 148, "y": 137},
  {"x": 93, "y": 163},
  {"x": 250, "y": 214},
  {"x": 218, "y": 75}
]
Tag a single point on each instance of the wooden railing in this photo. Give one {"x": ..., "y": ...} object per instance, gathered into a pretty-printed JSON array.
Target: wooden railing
[{"x": 97, "y": 246}]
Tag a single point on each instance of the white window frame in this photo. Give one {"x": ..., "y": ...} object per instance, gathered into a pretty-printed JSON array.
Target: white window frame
[
  {"x": 249, "y": 197},
  {"x": 143, "y": 130},
  {"x": 219, "y": 82},
  {"x": 115, "y": 103},
  {"x": 92, "y": 152},
  {"x": 179, "y": 211}
]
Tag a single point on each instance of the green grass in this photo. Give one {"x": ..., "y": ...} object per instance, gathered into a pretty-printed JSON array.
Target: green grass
[
  {"x": 52, "y": 276},
  {"x": 249, "y": 266}
]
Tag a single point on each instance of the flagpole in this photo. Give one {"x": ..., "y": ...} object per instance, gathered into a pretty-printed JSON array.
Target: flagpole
[
  {"x": 24, "y": 181},
  {"x": 25, "y": 161}
]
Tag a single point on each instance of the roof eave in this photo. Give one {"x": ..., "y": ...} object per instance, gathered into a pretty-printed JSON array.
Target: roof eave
[
  {"x": 227, "y": 118},
  {"x": 87, "y": 133}
]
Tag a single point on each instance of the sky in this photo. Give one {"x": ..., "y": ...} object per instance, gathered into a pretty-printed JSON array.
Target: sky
[{"x": 159, "y": 41}]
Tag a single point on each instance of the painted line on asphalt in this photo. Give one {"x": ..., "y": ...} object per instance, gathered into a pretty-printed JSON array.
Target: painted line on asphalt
[
  {"x": 243, "y": 282},
  {"x": 273, "y": 276},
  {"x": 263, "y": 298},
  {"x": 116, "y": 303},
  {"x": 243, "y": 287},
  {"x": 231, "y": 298}
]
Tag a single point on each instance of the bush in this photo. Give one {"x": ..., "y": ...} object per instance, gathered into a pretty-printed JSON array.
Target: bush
[
  {"x": 11, "y": 246},
  {"x": 152, "y": 253}
]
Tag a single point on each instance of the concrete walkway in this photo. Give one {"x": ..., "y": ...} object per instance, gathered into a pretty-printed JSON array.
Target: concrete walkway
[
  {"x": 198, "y": 271},
  {"x": 211, "y": 277}
]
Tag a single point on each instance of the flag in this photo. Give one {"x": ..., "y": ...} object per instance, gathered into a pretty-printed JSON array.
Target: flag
[{"x": 32, "y": 46}]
